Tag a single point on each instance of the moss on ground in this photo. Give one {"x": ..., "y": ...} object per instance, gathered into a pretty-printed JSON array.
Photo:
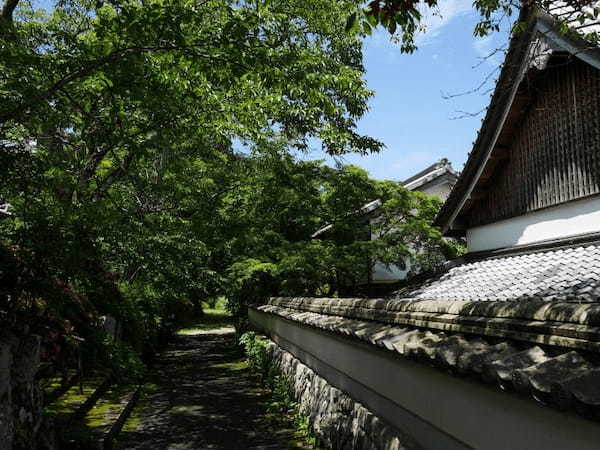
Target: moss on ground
[
  {"x": 88, "y": 432},
  {"x": 236, "y": 365},
  {"x": 212, "y": 318},
  {"x": 76, "y": 396}
]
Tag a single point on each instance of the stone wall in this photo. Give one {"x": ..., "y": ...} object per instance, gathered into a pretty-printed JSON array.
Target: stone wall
[
  {"x": 20, "y": 395},
  {"x": 338, "y": 421}
]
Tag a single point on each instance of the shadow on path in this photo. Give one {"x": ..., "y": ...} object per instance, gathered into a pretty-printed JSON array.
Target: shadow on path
[{"x": 202, "y": 396}]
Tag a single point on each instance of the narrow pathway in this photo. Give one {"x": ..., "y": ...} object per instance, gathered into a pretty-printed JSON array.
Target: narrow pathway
[{"x": 202, "y": 396}]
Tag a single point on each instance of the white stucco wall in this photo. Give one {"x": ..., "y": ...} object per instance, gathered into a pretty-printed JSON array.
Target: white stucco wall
[
  {"x": 441, "y": 190},
  {"x": 570, "y": 219},
  {"x": 384, "y": 274},
  {"x": 437, "y": 410}
]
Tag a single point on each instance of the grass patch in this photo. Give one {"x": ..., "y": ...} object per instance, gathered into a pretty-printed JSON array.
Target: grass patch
[
  {"x": 85, "y": 433},
  {"x": 235, "y": 366},
  {"x": 108, "y": 408},
  {"x": 215, "y": 316},
  {"x": 68, "y": 403},
  {"x": 135, "y": 418}
]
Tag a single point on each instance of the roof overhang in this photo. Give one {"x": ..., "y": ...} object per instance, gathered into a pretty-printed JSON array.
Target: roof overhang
[{"x": 504, "y": 107}]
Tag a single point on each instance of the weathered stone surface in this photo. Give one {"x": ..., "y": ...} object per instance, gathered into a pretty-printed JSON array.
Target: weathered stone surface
[
  {"x": 338, "y": 421},
  {"x": 551, "y": 375},
  {"x": 20, "y": 395},
  {"x": 6, "y": 421},
  {"x": 26, "y": 393}
]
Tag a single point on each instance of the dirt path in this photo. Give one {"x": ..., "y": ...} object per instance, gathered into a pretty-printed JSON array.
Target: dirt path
[{"x": 202, "y": 396}]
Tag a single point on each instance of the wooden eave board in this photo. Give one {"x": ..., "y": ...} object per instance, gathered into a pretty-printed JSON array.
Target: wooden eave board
[
  {"x": 458, "y": 201},
  {"x": 500, "y": 153},
  {"x": 460, "y": 198}
]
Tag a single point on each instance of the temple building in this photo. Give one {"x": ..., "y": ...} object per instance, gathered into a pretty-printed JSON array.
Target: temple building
[
  {"x": 438, "y": 180},
  {"x": 501, "y": 350}
]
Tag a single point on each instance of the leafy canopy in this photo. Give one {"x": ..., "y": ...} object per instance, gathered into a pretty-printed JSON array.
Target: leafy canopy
[
  {"x": 403, "y": 19},
  {"x": 146, "y": 158},
  {"x": 125, "y": 135}
]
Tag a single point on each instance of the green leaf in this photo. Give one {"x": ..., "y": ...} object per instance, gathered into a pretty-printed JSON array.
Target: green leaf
[{"x": 352, "y": 22}]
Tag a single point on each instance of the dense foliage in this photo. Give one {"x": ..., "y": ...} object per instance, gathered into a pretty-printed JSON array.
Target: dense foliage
[
  {"x": 146, "y": 166},
  {"x": 404, "y": 19},
  {"x": 118, "y": 126},
  {"x": 281, "y": 399},
  {"x": 285, "y": 202}
]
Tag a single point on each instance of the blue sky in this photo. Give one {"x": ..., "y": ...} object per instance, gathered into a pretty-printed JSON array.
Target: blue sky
[{"x": 408, "y": 112}]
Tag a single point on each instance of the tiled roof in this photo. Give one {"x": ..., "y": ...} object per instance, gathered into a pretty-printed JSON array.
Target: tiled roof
[
  {"x": 568, "y": 274},
  {"x": 559, "y": 377},
  {"x": 584, "y": 20},
  {"x": 545, "y": 29},
  {"x": 432, "y": 172},
  {"x": 528, "y": 323}
]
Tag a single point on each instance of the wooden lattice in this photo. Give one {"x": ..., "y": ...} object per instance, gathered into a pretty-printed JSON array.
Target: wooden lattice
[{"x": 554, "y": 155}]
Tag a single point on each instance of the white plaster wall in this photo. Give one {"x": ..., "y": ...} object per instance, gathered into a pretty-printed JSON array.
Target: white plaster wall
[
  {"x": 440, "y": 190},
  {"x": 439, "y": 411},
  {"x": 384, "y": 274},
  {"x": 570, "y": 219}
]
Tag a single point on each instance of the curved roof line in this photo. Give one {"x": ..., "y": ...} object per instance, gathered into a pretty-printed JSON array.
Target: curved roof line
[{"x": 516, "y": 64}]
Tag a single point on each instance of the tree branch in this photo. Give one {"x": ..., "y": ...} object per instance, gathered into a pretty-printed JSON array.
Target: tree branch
[
  {"x": 8, "y": 9},
  {"x": 119, "y": 172},
  {"x": 95, "y": 65}
]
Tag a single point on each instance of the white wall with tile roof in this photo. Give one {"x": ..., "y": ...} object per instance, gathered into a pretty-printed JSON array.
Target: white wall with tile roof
[
  {"x": 441, "y": 190},
  {"x": 382, "y": 273},
  {"x": 569, "y": 219},
  {"x": 436, "y": 410}
]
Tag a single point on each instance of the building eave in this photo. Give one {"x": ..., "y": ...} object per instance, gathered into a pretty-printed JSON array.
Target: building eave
[{"x": 517, "y": 64}]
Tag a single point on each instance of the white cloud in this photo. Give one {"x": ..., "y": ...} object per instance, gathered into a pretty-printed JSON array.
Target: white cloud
[
  {"x": 487, "y": 48},
  {"x": 434, "y": 20}
]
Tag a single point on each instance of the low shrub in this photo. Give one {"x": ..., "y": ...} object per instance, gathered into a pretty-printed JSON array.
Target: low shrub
[{"x": 282, "y": 399}]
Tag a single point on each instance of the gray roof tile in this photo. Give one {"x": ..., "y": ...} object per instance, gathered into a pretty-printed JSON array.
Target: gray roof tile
[
  {"x": 560, "y": 377},
  {"x": 582, "y": 389},
  {"x": 502, "y": 369},
  {"x": 529, "y": 323},
  {"x": 539, "y": 377},
  {"x": 568, "y": 274}
]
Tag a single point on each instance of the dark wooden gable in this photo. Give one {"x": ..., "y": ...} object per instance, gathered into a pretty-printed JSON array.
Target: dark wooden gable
[
  {"x": 551, "y": 153},
  {"x": 539, "y": 145}
]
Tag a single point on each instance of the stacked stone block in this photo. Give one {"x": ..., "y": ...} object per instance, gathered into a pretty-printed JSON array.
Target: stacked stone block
[{"x": 338, "y": 421}]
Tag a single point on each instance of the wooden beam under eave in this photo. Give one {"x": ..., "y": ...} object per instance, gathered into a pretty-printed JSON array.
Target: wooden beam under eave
[
  {"x": 479, "y": 194},
  {"x": 499, "y": 153}
]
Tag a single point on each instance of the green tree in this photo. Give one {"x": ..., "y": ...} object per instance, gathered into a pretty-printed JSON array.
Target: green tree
[
  {"x": 274, "y": 250},
  {"x": 121, "y": 128},
  {"x": 146, "y": 154},
  {"x": 403, "y": 19}
]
